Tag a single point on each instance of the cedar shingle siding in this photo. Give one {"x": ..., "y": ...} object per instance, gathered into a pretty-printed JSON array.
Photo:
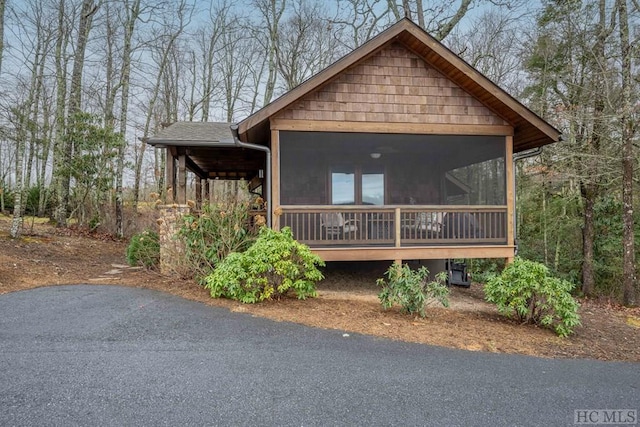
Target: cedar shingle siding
[{"x": 396, "y": 86}]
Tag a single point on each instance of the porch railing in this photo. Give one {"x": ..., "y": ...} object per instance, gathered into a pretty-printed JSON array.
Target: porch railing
[{"x": 396, "y": 226}]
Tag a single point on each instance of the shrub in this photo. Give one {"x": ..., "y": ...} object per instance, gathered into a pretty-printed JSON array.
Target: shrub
[
  {"x": 274, "y": 265},
  {"x": 482, "y": 270},
  {"x": 526, "y": 291},
  {"x": 222, "y": 228},
  {"x": 411, "y": 289},
  {"x": 144, "y": 249}
]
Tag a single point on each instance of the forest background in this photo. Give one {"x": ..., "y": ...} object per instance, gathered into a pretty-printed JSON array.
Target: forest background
[{"x": 84, "y": 82}]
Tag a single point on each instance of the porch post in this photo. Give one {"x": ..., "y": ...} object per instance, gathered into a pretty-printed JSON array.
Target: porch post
[
  {"x": 198, "y": 192},
  {"x": 207, "y": 190},
  {"x": 170, "y": 176},
  {"x": 510, "y": 185},
  {"x": 182, "y": 178},
  {"x": 275, "y": 180},
  {"x": 397, "y": 227}
]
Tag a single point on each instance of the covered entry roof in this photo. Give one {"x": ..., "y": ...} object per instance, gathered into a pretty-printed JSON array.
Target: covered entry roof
[
  {"x": 209, "y": 150},
  {"x": 530, "y": 130}
]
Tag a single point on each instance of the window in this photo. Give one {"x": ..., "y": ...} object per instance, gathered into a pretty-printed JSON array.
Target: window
[
  {"x": 357, "y": 187},
  {"x": 343, "y": 188},
  {"x": 373, "y": 189}
]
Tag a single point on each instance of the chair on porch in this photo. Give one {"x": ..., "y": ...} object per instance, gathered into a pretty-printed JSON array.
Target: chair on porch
[
  {"x": 334, "y": 225},
  {"x": 423, "y": 224}
]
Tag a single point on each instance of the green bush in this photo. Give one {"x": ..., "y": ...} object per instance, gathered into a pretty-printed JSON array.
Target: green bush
[
  {"x": 526, "y": 291},
  {"x": 411, "y": 289},
  {"x": 222, "y": 228},
  {"x": 144, "y": 249},
  {"x": 274, "y": 265},
  {"x": 483, "y": 269}
]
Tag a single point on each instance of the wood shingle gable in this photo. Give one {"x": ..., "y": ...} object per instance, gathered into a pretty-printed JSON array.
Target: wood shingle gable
[
  {"x": 350, "y": 91},
  {"x": 392, "y": 86}
]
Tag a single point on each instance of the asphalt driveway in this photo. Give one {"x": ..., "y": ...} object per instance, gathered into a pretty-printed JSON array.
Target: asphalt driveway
[{"x": 106, "y": 355}]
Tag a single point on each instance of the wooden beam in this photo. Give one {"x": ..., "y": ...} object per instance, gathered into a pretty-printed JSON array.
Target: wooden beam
[
  {"x": 254, "y": 183},
  {"x": 381, "y": 127},
  {"x": 511, "y": 191},
  {"x": 195, "y": 168},
  {"x": 275, "y": 179},
  {"x": 414, "y": 252}
]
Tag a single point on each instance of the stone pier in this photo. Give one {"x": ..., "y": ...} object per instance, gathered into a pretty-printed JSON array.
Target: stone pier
[{"x": 171, "y": 248}]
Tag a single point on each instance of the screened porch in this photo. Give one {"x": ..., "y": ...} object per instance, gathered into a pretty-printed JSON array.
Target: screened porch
[{"x": 393, "y": 190}]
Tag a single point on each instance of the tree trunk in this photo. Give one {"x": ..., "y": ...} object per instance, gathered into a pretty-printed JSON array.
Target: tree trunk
[
  {"x": 272, "y": 11},
  {"x": 16, "y": 222},
  {"x": 75, "y": 99},
  {"x": 406, "y": 9},
  {"x": 133, "y": 13},
  {"x": 444, "y": 29},
  {"x": 2, "y": 4},
  {"x": 420, "y": 12},
  {"x": 588, "y": 235},
  {"x": 84, "y": 27},
  {"x": 59, "y": 163},
  {"x": 626, "y": 123}
]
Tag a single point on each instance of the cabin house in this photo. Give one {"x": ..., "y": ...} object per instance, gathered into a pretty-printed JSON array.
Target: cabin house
[{"x": 398, "y": 151}]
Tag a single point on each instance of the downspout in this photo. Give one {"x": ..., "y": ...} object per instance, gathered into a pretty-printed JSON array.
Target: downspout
[
  {"x": 236, "y": 139},
  {"x": 516, "y": 157}
]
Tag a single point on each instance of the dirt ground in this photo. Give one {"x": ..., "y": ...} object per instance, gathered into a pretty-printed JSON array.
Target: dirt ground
[{"x": 347, "y": 300}]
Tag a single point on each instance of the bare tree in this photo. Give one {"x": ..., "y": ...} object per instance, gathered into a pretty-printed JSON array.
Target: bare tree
[
  {"x": 132, "y": 14},
  {"x": 232, "y": 64},
  {"x": 87, "y": 11},
  {"x": 629, "y": 286},
  {"x": 362, "y": 19},
  {"x": 16, "y": 222},
  {"x": 166, "y": 38},
  {"x": 2, "y": 7},
  {"x": 59, "y": 164},
  {"x": 271, "y": 12},
  {"x": 209, "y": 41},
  {"x": 306, "y": 43}
]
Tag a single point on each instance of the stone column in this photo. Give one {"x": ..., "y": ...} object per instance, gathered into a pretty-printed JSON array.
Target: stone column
[{"x": 171, "y": 248}]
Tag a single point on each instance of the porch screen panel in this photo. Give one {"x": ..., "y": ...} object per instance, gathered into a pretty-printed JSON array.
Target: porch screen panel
[
  {"x": 303, "y": 171},
  {"x": 480, "y": 184},
  {"x": 392, "y": 169}
]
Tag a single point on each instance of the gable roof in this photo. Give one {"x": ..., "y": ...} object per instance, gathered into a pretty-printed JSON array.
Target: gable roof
[{"x": 530, "y": 130}]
